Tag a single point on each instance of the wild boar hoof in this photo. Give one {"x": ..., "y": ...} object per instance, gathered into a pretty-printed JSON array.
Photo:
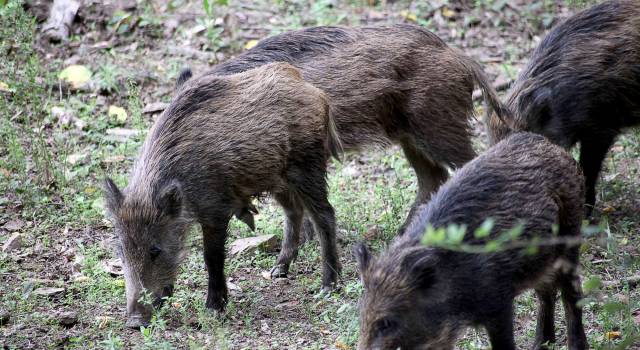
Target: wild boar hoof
[
  {"x": 327, "y": 289},
  {"x": 136, "y": 322},
  {"x": 279, "y": 271},
  {"x": 216, "y": 302}
]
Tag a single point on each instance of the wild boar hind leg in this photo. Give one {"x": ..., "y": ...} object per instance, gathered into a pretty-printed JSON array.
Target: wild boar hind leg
[
  {"x": 294, "y": 212},
  {"x": 430, "y": 176}
]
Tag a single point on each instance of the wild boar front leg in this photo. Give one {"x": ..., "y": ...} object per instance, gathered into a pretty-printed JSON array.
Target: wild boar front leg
[
  {"x": 571, "y": 294},
  {"x": 294, "y": 212},
  {"x": 500, "y": 329},
  {"x": 214, "y": 237}
]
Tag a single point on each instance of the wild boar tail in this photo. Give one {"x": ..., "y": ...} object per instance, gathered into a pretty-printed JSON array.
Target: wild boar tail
[
  {"x": 488, "y": 92},
  {"x": 334, "y": 145}
]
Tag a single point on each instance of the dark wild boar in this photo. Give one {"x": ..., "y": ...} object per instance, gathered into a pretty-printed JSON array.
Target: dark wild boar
[
  {"x": 582, "y": 85},
  {"x": 418, "y": 297},
  {"x": 397, "y": 84},
  {"x": 221, "y": 142}
]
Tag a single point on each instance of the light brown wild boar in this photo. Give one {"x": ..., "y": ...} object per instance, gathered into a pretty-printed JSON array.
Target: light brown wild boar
[
  {"x": 389, "y": 84},
  {"x": 221, "y": 142}
]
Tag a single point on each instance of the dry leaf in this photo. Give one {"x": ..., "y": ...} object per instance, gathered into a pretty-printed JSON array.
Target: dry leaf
[
  {"x": 448, "y": 13},
  {"x": 342, "y": 346},
  {"x": 250, "y": 44},
  {"x": 119, "y": 113},
  {"x": 613, "y": 335},
  {"x": 409, "y": 15},
  {"x": 5, "y": 88},
  {"x": 76, "y": 75}
]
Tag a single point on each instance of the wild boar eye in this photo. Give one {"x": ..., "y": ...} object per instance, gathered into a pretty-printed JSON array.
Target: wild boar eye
[
  {"x": 154, "y": 252},
  {"x": 385, "y": 326}
]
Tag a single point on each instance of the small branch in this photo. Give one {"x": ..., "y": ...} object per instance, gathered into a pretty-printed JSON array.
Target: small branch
[{"x": 632, "y": 280}]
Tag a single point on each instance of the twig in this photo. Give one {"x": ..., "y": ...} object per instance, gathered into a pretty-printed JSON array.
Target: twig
[{"x": 632, "y": 280}]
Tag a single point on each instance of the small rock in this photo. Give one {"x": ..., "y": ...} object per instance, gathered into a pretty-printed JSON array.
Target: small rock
[
  {"x": 155, "y": 107},
  {"x": 14, "y": 242},
  {"x": 266, "y": 275},
  {"x": 77, "y": 264},
  {"x": 64, "y": 116},
  {"x": 264, "y": 326},
  {"x": 195, "y": 30},
  {"x": 234, "y": 288},
  {"x": 78, "y": 158},
  {"x": 48, "y": 291},
  {"x": 5, "y": 316},
  {"x": 114, "y": 159},
  {"x": 81, "y": 279},
  {"x": 120, "y": 134},
  {"x": 282, "y": 281},
  {"x": 13, "y": 225},
  {"x": 248, "y": 245},
  {"x": 113, "y": 266},
  {"x": 351, "y": 171},
  {"x": 68, "y": 319}
]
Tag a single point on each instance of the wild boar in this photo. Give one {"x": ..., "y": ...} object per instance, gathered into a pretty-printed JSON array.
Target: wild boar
[
  {"x": 396, "y": 84},
  {"x": 420, "y": 297},
  {"x": 221, "y": 142},
  {"x": 581, "y": 85}
]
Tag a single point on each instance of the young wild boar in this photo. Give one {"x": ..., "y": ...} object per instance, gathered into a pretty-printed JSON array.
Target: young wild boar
[
  {"x": 418, "y": 297},
  {"x": 582, "y": 85},
  {"x": 221, "y": 142},
  {"x": 399, "y": 84}
]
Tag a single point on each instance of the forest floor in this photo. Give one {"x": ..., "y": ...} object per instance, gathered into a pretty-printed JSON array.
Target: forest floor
[{"x": 61, "y": 286}]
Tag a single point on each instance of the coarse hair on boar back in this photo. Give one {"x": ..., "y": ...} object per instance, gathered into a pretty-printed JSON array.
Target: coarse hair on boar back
[
  {"x": 581, "y": 85},
  {"x": 419, "y": 297},
  {"x": 221, "y": 142},
  {"x": 388, "y": 84}
]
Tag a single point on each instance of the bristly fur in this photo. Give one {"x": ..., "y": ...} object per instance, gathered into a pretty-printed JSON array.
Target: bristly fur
[
  {"x": 222, "y": 141},
  {"x": 419, "y": 290},
  {"x": 389, "y": 84},
  {"x": 581, "y": 85}
]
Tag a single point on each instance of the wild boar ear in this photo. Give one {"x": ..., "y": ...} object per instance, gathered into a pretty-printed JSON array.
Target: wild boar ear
[
  {"x": 113, "y": 196},
  {"x": 421, "y": 268},
  {"x": 185, "y": 74},
  {"x": 540, "y": 108},
  {"x": 170, "y": 199},
  {"x": 363, "y": 257}
]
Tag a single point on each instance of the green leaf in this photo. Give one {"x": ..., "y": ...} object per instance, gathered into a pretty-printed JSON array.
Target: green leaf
[
  {"x": 515, "y": 231},
  {"x": 207, "y": 8},
  {"x": 434, "y": 236},
  {"x": 613, "y": 307},
  {"x": 485, "y": 229},
  {"x": 456, "y": 233},
  {"x": 592, "y": 284}
]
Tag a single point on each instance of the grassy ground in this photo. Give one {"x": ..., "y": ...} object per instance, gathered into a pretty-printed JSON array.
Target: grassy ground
[{"x": 56, "y": 143}]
